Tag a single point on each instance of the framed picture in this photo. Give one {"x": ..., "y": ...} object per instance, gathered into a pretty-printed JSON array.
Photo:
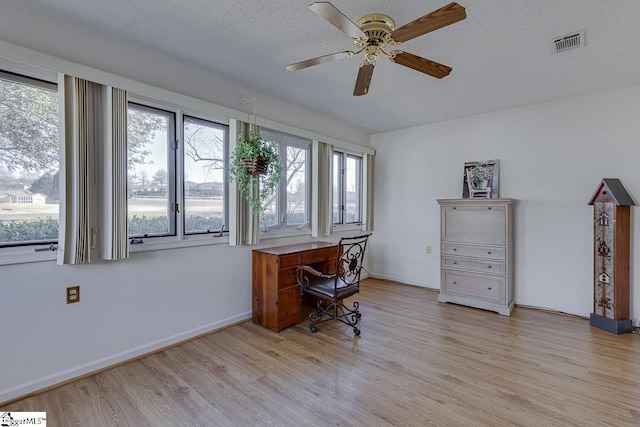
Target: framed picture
[{"x": 481, "y": 179}]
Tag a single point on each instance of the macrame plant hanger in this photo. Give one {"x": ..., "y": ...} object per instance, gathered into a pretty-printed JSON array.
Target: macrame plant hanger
[{"x": 253, "y": 126}]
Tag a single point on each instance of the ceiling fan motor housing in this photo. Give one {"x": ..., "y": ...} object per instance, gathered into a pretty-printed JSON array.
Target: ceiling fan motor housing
[{"x": 378, "y": 29}]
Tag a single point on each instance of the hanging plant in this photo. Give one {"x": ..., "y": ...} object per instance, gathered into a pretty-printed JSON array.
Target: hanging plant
[{"x": 255, "y": 159}]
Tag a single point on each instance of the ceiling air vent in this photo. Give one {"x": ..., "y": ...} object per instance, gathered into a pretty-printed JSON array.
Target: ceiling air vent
[{"x": 567, "y": 42}]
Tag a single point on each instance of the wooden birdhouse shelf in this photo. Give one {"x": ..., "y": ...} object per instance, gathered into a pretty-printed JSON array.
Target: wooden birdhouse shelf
[{"x": 611, "y": 256}]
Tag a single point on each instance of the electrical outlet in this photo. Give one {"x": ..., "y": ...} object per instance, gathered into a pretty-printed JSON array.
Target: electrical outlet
[
  {"x": 428, "y": 250},
  {"x": 73, "y": 294}
]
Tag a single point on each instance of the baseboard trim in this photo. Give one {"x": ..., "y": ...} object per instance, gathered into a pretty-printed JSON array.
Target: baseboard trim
[
  {"x": 40, "y": 385},
  {"x": 403, "y": 280}
]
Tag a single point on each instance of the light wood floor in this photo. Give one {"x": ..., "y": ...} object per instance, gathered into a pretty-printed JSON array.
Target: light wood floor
[{"x": 416, "y": 363}]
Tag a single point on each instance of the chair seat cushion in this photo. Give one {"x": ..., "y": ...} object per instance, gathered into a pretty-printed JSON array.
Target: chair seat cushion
[{"x": 325, "y": 288}]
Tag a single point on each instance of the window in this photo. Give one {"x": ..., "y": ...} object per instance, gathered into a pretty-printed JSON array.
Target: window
[
  {"x": 205, "y": 183},
  {"x": 347, "y": 188},
  {"x": 289, "y": 207},
  {"x": 29, "y": 165},
  {"x": 151, "y": 139},
  {"x": 166, "y": 199}
]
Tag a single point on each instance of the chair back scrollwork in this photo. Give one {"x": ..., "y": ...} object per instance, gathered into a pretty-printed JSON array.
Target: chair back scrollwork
[{"x": 351, "y": 250}]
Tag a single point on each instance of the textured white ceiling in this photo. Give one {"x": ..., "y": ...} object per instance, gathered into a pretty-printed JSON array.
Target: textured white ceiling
[{"x": 500, "y": 55}]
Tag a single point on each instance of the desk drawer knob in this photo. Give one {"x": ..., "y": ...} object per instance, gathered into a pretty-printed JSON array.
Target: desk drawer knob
[
  {"x": 489, "y": 288},
  {"x": 455, "y": 283},
  {"x": 455, "y": 262},
  {"x": 455, "y": 249},
  {"x": 489, "y": 252},
  {"x": 290, "y": 294},
  {"x": 489, "y": 267}
]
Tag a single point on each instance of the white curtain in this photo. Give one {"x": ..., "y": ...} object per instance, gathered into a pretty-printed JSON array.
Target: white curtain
[
  {"x": 368, "y": 174},
  {"x": 245, "y": 229},
  {"x": 78, "y": 130},
  {"x": 93, "y": 171},
  {"x": 114, "y": 236},
  {"x": 322, "y": 217}
]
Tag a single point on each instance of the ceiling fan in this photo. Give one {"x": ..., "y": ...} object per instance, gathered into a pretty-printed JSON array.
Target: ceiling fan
[{"x": 372, "y": 33}]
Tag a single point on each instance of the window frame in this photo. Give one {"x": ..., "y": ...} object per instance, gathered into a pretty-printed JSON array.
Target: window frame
[
  {"x": 344, "y": 157},
  {"x": 173, "y": 206},
  {"x": 289, "y": 140},
  {"x": 225, "y": 177},
  {"x": 180, "y": 238},
  {"x": 30, "y": 250}
]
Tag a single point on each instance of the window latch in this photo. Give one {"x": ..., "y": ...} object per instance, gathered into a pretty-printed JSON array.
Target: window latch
[
  {"x": 52, "y": 247},
  {"x": 136, "y": 241}
]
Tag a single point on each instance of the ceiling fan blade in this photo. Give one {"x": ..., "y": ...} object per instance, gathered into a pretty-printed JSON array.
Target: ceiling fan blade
[
  {"x": 364, "y": 79},
  {"x": 336, "y": 18},
  {"x": 439, "y": 18},
  {"x": 421, "y": 64},
  {"x": 319, "y": 60}
]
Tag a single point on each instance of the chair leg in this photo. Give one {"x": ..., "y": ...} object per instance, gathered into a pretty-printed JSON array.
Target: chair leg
[{"x": 338, "y": 311}]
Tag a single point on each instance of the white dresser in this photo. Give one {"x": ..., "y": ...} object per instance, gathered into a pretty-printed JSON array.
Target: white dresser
[{"x": 476, "y": 251}]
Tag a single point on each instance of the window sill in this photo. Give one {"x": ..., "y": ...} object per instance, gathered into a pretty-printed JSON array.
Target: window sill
[
  {"x": 278, "y": 234},
  {"x": 9, "y": 256},
  {"x": 347, "y": 227},
  {"x": 25, "y": 255},
  {"x": 160, "y": 243}
]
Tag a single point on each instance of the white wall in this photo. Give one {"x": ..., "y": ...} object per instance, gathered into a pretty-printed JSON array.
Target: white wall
[
  {"x": 553, "y": 156},
  {"x": 126, "y": 307},
  {"x": 153, "y": 299}
]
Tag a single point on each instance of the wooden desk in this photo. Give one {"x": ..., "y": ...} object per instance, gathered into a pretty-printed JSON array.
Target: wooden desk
[{"x": 276, "y": 294}]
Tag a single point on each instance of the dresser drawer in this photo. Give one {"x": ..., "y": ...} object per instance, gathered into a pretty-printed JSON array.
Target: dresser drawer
[
  {"x": 481, "y": 266},
  {"x": 476, "y": 286},
  {"x": 482, "y": 223},
  {"x": 489, "y": 252}
]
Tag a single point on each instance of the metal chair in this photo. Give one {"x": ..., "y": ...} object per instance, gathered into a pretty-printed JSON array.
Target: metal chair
[{"x": 333, "y": 288}]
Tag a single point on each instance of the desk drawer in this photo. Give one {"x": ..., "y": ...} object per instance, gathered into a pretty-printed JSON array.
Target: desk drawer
[
  {"x": 481, "y": 266},
  {"x": 287, "y": 277},
  {"x": 490, "y": 252},
  {"x": 476, "y": 286},
  {"x": 289, "y": 302},
  {"x": 289, "y": 260},
  {"x": 318, "y": 255}
]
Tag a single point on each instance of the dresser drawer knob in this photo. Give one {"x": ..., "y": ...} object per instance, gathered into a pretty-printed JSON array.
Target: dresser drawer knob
[
  {"x": 455, "y": 283},
  {"x": 489, "y": 266},
  {"x": 455, "y": 262},
  {"x": 489, "y": 288},
  {"x": 290, "y": 294},
  {"x": 291, "y": 274},
  {"x": 455, "y": 249},
  {"x": 489, "y": 252},
  {"x": 489, "y": 208}
]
